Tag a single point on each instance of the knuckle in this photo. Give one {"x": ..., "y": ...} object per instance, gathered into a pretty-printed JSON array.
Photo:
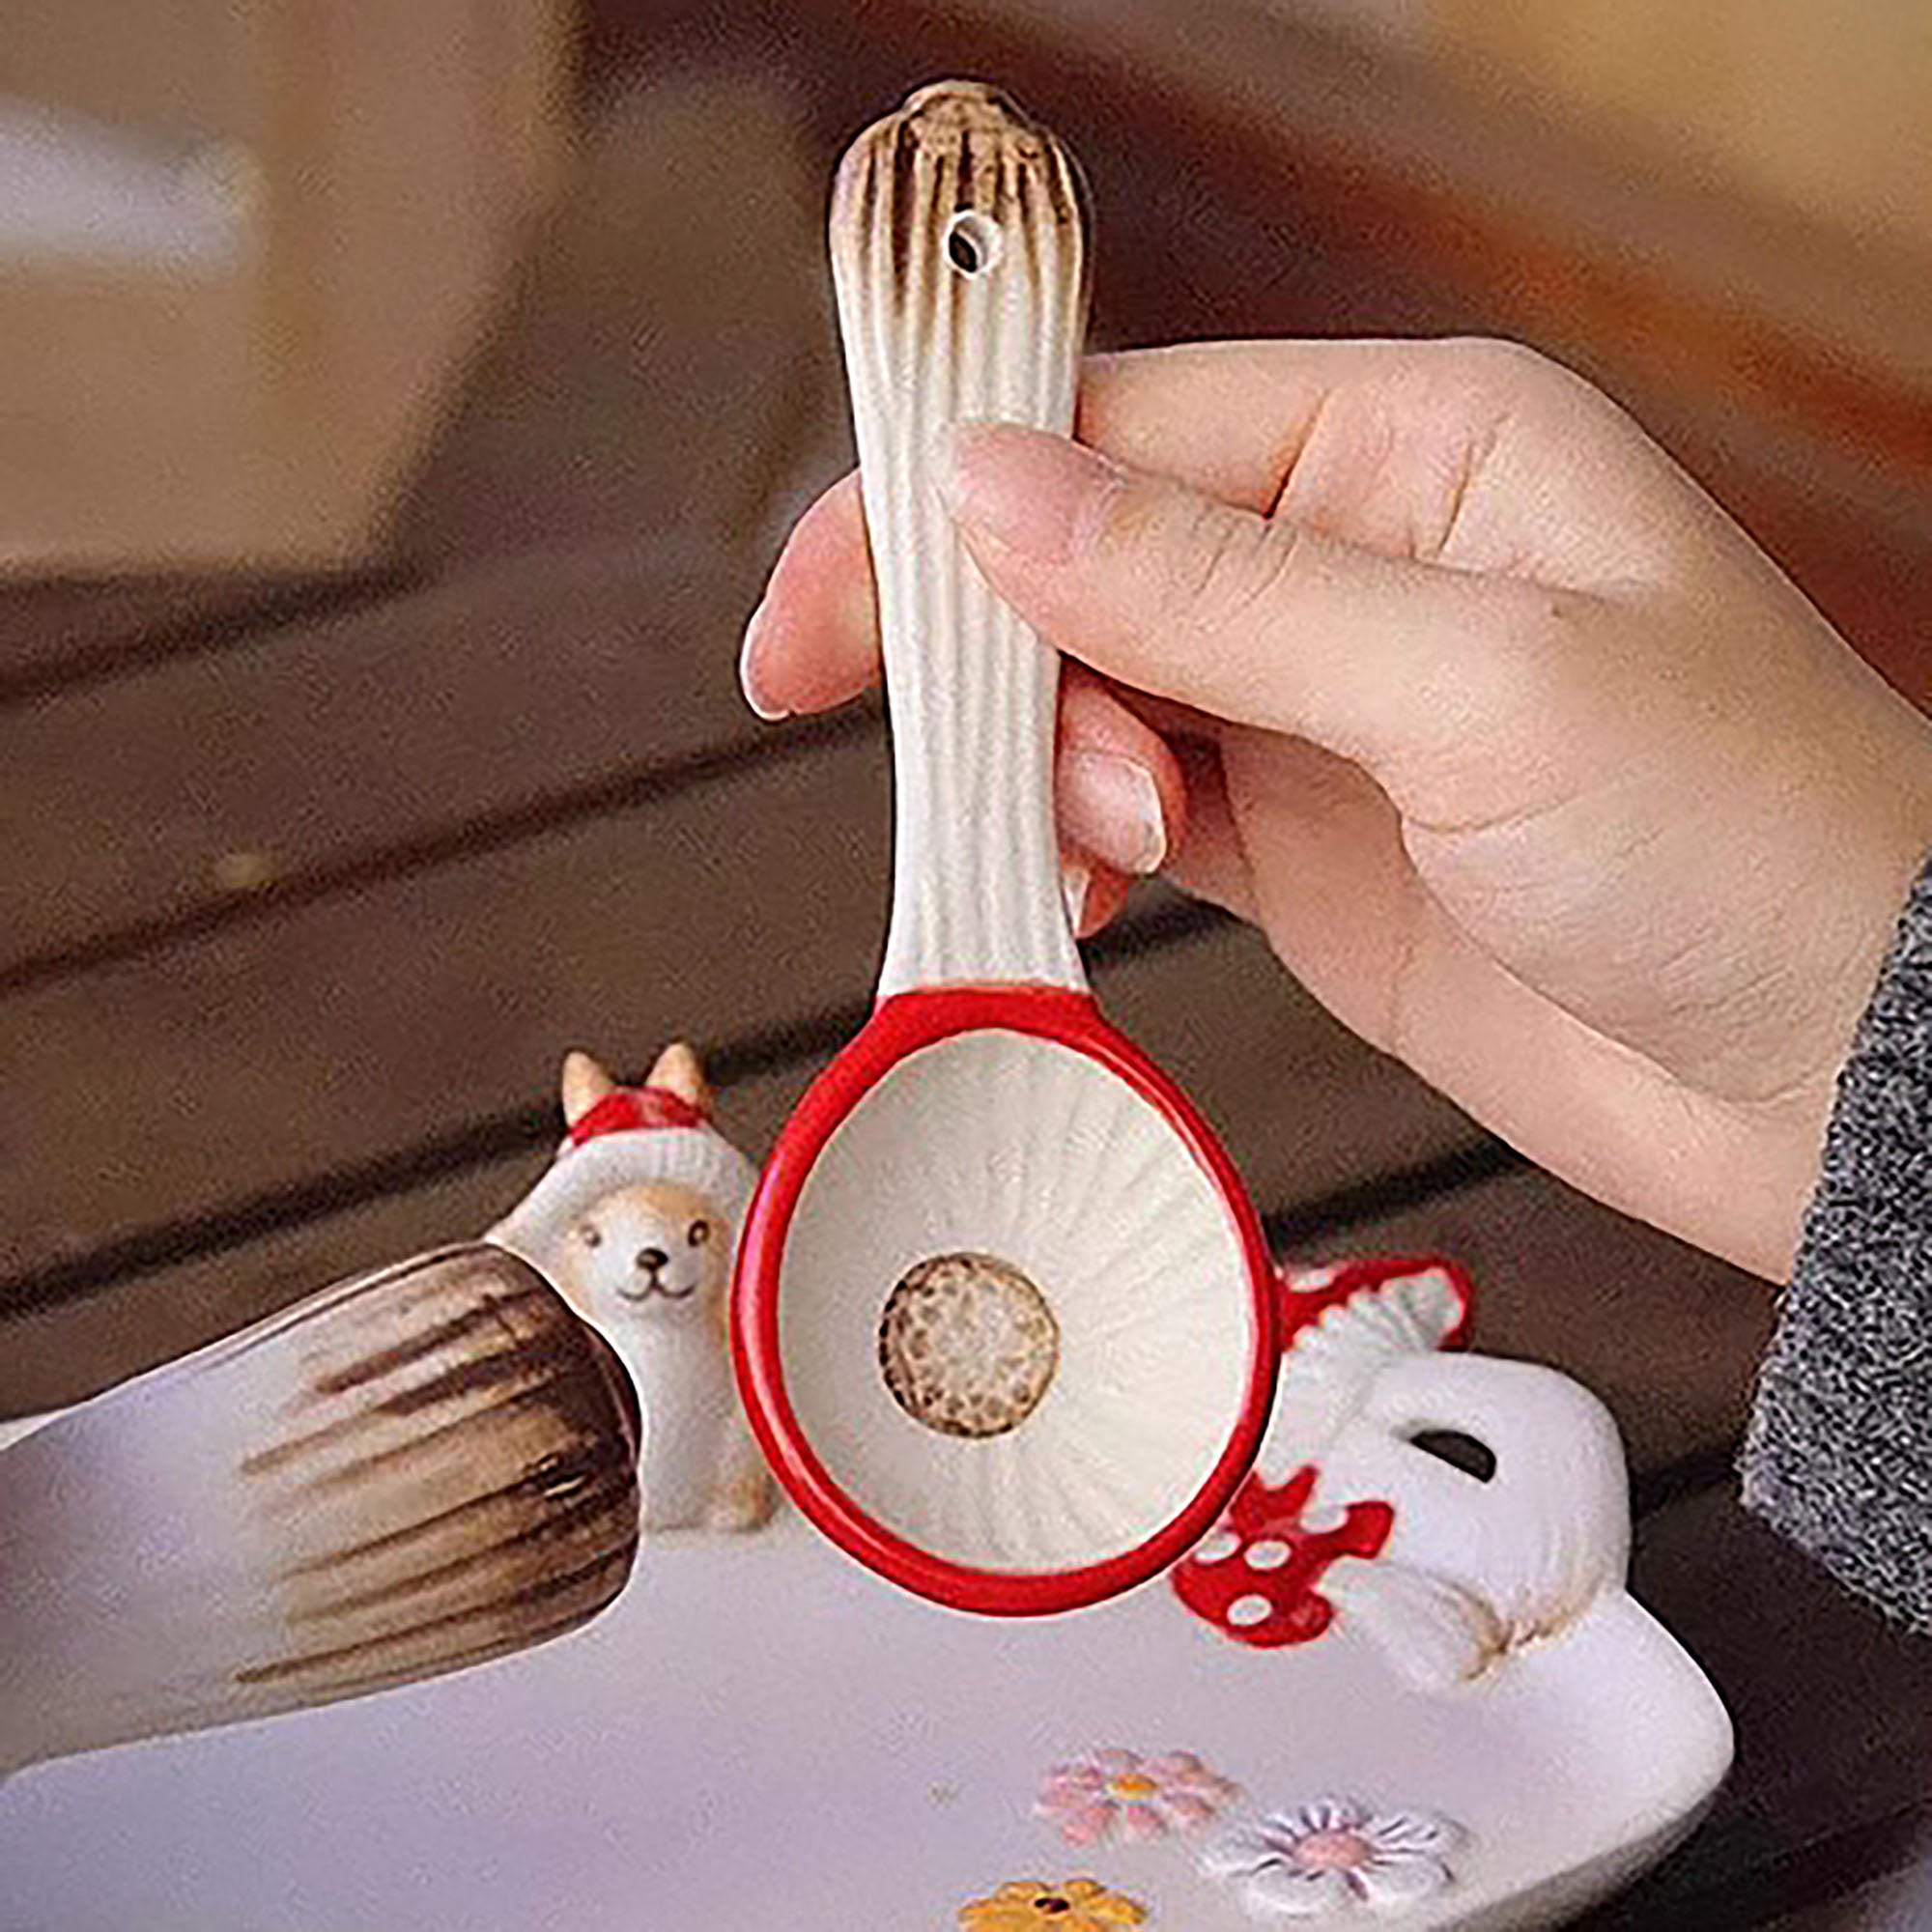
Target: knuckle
[
  {"x": 1233, "y": 568},
  {"x": 1553, "y": 638},
  {"x": 1506, "y": 371}
]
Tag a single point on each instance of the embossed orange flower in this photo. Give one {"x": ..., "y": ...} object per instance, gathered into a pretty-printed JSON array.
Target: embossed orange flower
[{"x": 1031, "y": 1903}]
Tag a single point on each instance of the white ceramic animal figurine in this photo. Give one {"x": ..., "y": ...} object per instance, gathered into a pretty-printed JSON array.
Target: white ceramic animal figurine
[
  {"x": 1485, "y": 1558},
  {"x": 1457, "y": 1510},
  {"x": 636, "y": 1224},
  {"x": 1478, "y": 1569}
]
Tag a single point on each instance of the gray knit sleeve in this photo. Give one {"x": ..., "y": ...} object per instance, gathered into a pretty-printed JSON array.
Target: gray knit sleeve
[{"x": 1839, "y": 1451}]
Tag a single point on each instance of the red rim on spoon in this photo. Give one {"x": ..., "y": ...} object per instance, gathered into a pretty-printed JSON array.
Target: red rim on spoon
[{"x": 1005, "y": 1320}]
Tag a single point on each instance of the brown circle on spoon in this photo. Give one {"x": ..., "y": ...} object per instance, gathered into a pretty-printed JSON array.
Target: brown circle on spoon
[{"x": 967, "y": 1345}]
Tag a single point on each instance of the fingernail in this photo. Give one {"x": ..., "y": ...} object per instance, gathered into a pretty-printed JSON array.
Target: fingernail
[
  {"x": 1076, "y": 876},
  {"x": 1039, "y": 496},
  {"x": 1111, "y": 806},
  {"x": 747, "y": 671}
]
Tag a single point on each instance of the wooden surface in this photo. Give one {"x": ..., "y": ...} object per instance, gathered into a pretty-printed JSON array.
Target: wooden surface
[
  {"x": 368, "y": 172},
  {"x": 310, "y": 882},
  {"x": 174, "y": 66},
  {"x": 1820, "y": 108}
]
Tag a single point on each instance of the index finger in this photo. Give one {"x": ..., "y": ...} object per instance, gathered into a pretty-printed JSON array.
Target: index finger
[
  {"x": 1479, "y": 454},
  {"x": 1226, "y": 417},
  {"x": 1476, "y": 454}
]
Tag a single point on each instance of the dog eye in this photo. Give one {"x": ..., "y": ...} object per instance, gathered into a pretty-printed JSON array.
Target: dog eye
[
  {"x": 591, "y": 1237},
  {"x": 700, "y": 1232}
]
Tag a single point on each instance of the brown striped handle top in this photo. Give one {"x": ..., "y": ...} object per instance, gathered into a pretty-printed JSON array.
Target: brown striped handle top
[{"x": 959, "y": 253}]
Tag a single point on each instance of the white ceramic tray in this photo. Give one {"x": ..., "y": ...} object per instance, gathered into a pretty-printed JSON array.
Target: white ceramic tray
[{"x": 761, "y": 1734}]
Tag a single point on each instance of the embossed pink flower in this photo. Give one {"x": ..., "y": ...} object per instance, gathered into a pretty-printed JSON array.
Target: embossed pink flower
[
  {"x": 1332, "y": 1856},
  {"x": 1109, "y": 1793}
]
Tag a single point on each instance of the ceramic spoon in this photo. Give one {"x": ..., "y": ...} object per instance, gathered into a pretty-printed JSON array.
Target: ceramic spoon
[{"x": 1004, "y": 1317}]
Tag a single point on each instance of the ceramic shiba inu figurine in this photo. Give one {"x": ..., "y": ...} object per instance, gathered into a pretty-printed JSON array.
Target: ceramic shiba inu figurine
[{"x": 636, "y": 1224}]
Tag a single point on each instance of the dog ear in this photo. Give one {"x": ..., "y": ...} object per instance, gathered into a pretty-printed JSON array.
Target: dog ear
[
  {"x": 677, "y": 1071},
  {"x": 585, "y": 1083}
]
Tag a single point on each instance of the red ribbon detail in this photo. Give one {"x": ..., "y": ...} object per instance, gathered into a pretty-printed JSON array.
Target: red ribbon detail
[{"x": 629, "y": 1108}]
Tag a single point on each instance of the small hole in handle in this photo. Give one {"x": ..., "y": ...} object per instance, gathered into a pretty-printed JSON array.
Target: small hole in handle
[
  {"x": 1474, "y": 1458},
  {"x": 973, "y": 242}
]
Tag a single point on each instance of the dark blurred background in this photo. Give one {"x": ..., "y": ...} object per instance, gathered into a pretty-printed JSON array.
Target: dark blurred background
[{"x": 252, "y": 258}]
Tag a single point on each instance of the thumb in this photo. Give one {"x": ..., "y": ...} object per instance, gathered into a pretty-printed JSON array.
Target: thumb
[{"x": 1257, "y": 620}]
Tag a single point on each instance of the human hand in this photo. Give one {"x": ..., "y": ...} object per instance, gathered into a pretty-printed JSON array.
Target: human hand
[{"x": 1423, "y": 658}]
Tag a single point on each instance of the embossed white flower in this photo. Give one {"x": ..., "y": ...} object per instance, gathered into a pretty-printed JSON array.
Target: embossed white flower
[{"x": 1332, "y": 1856}]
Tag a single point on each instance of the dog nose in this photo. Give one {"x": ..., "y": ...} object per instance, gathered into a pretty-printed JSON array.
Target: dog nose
[{"x": 650, "y": 1260}]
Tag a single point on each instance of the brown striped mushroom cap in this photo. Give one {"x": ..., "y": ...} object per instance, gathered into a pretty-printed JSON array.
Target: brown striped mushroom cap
[{"x": 406, "y": 1473}]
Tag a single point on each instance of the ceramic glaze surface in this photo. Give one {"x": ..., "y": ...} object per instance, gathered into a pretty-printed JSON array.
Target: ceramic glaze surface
[
  {"x": 1046, "y": 1143},
  {"x": 1016, "y": 1145},
  {"x": 768, "y": 1734},
  {"x": 1334, "y": 1358},
  {"x": 764, "y": 1734},
  {"x": 1475, "y": 1570},
  {"x": 934, "y": 336},
  {"x": 968, "y": 1344},
  {"x": 636, "y": 1224}
]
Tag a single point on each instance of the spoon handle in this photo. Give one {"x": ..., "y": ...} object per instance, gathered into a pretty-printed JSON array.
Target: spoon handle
[{"x": 959, "y": 257}]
